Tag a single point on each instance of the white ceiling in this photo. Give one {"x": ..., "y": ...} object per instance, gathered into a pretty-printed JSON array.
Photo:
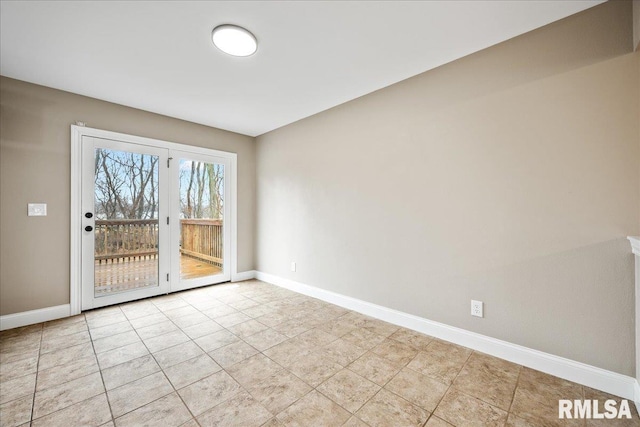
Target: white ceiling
[{"x": 158, "y": 56}]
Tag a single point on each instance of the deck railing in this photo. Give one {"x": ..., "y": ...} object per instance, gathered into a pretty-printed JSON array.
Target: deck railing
[
  {"x": 125, "y": 239},
  {"x": 202, "y": 239},
  {"x": 121, "y": 239}
]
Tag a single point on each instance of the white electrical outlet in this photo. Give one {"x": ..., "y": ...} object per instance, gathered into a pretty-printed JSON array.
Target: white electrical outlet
[
  {"x": 477, "y": 308},
  {"x": 293, "y": 266}
]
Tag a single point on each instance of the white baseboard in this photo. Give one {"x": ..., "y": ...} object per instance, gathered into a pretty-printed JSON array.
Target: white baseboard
[
  {"x": 31, "y": 317},
  {"x": 591, "y": 376},
  {"x": 25, "y": 318},
  {"x": 244, "y": 275}
]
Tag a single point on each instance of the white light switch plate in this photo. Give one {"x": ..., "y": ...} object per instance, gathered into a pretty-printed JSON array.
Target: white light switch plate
[{"x": 37, "y": 209}]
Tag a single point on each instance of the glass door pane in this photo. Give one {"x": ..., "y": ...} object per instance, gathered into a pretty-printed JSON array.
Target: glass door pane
[
  {"x": 126, "y": 209},
  {"x": 201, "y": 188}
]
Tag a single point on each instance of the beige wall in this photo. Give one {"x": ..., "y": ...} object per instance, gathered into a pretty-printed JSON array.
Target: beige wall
[
  {"x": 509, "y": 176},
  {"x": 35, "y": 167},
  {"x": 636, "y": 24}
]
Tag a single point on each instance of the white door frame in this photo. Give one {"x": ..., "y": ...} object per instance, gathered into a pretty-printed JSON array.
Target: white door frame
[{"x": 77, "y": 132}]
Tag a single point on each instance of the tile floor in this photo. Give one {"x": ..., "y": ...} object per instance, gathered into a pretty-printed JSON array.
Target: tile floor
[{"x": 252, "y": 354}]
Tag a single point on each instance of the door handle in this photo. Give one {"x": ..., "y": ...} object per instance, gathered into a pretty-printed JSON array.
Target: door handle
[
  {"x": 88, "y": 228},
  {"x": 88, "y": 215}
]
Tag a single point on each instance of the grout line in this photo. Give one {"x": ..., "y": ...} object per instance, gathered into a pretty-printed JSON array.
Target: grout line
[
  {"x": 113, "y": 420},
  {"x": 513, "y": 396},
  {"x": 207, "y": 353},
  {"x": 492, "y": 375},
  {"x": 312, "y": 388},
  {"x": 221, "y": 367},
  {"x": 35, "y": 386},
  {"x": 272, "y": 301},
  {"x": 66, "y": 382},
  {"x": 406, "y": 366},
  {"x": 162, "y": 369},
  {"x": 146, "y": 376},
  {"x": 452, "y": 381}
]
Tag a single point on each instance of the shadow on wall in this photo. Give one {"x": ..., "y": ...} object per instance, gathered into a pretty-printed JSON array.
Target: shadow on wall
[
  {"x": 509, "y": 176},
  {"x": 588, "y": 309},
  {"x": 23, "y": 128},
  {"x": 603, "y": 33}
]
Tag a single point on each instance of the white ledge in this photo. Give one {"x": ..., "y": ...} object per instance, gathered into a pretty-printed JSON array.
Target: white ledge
[{"x": 635, "y": 244}]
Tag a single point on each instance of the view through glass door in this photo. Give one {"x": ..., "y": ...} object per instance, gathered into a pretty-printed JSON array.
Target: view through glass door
[
  {"x": 125, "y": 240},
  {"x": 202, "y": 237},
  {"x": 154, "y": 221}
]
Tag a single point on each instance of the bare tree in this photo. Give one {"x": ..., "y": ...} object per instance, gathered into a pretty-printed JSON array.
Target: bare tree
[
  {"x": 201, "y": 190},
  {"x": 200, "y": 186},
  {"x": 125, "y": 185},
  {"x": 215, "y": 180}
]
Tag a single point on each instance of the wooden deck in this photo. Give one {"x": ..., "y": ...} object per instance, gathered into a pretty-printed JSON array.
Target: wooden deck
[
  {"x": 192, "y": 268},
  {"x": 130, "y": 274}
]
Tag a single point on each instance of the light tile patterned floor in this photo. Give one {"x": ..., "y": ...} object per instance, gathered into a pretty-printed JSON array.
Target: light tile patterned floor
[{"x": 252, "y": 354}]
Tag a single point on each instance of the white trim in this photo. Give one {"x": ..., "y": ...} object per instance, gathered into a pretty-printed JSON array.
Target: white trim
[
  {"x": 116, "y": 136},
  {"x": 31, "y": 317},
  {"x": 77, "y": 132},
  {"x": 597, "y": 378},
  {"x": 234, "y": 214},
  {"x": 244, "y": 275},
  {"x": 635, "y": 244},
  {"x": 635, "y": 248},
  {"x": 75, "y": 272}
]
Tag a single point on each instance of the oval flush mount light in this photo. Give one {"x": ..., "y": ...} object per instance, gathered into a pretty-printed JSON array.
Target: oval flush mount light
[{"x": 234, "y": 40}]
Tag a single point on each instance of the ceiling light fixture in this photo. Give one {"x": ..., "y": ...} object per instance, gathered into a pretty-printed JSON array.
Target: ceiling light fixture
[{"x": 234, "y": 40}]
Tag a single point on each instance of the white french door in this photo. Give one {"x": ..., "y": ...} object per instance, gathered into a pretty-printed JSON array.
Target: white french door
[
  {"x": 125, "y": 242},
  {"x": 201, "y": 237},
  {"x": 154, "y": 220}
]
